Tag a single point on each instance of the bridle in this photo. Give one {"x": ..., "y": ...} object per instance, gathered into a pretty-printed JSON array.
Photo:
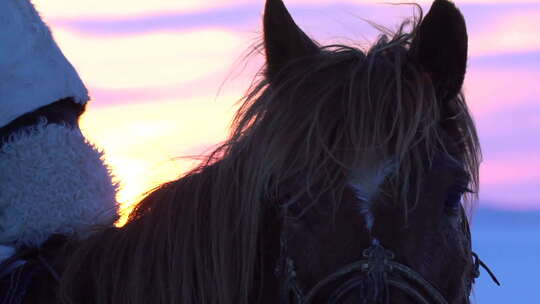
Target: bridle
[
  {"x": 377, "y": 270},
  {"x": 377, "y": 265}
]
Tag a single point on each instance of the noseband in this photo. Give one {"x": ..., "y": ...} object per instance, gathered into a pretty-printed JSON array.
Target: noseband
[{"x": 377, "y": 270}]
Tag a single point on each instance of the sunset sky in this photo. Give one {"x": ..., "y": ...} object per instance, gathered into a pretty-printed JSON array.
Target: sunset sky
[{"x": 164, "y": 76}]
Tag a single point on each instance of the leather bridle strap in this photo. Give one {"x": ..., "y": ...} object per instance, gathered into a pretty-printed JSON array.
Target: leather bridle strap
[
  {"x": 414, "y": 276},
  {"x": 377, "y": 262},
  {"x": 377, "y": 269},
  {"x": 362, "y": 265},
  {"x": 479, "y": 263},
  {"x": 406, "y": 288},
  {"x": 345, "y": 288}
]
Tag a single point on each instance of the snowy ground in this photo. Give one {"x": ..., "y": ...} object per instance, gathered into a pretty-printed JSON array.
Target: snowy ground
[{"x": 509, "y": 242}]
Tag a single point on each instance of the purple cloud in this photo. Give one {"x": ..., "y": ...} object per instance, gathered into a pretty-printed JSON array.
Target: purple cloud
[{"x": 321, "y": 18}]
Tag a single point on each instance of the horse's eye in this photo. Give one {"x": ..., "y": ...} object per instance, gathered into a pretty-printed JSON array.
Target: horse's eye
[{"x": 453, "y": 197}]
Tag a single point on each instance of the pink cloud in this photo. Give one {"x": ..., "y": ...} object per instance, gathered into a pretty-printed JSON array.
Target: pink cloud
[
  {"x": 511, "y": 182},
  {"x": 75, "y": 8},
  {"x": 508, "y": 33},
  {"x": 491, "y": 89},
  {"x": 516, "y": 169}
]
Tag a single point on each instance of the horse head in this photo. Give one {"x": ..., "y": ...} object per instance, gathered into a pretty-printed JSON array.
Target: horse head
[{"x": 377, "y": 216}]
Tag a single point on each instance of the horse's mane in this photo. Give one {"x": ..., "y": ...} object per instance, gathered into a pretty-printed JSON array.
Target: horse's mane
[{"x": 196, "y": 239}]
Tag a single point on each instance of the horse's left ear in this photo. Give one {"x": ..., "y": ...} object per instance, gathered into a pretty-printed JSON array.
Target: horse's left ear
[
  {"x": 284, "y": 41},
  {"x": 440, "y": 45}
]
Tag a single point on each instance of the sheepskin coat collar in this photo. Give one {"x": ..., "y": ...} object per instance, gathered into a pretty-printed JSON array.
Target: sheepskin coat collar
[
  {"x": 33, "y": 70},
  {"x": 53, "y": 181}
]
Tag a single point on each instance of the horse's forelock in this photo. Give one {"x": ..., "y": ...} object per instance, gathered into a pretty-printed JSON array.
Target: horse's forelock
[{"x": 328, "y": 109}]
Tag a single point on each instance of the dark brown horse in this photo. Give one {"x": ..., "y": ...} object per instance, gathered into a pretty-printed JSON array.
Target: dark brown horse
[{"x": 341, "y": 182}]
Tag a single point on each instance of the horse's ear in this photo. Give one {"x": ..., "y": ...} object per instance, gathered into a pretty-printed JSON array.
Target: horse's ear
[
  {"x": 440, "y": 45},
  {"x": 284, "y": 41}
]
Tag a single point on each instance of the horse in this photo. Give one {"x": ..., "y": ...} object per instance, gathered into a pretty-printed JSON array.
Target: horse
[
  {"x": 54, "y": 183},
  {"x": 346, "y": 178}
]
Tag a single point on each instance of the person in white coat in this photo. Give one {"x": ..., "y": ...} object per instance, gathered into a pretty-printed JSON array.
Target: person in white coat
[{"x": 52, "y": 180}]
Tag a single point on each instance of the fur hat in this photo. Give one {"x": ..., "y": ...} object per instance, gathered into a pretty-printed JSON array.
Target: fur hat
[{"x": 33, "y": 70}]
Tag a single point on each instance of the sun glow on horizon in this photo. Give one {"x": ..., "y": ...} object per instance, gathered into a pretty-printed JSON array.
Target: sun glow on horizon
[{"x": 148, "y": 145}]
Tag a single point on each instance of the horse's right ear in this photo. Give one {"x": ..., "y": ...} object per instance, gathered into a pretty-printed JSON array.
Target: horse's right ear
[
  {"x": 284, "y": 41},
  {"x": 440, "y": 45}
]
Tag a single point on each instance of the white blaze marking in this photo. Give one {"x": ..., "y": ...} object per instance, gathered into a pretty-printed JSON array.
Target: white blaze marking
[{"x": 365, "y": 182}]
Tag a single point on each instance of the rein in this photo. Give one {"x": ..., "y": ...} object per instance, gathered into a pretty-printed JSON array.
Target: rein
[{"x": 27, "y": 267}]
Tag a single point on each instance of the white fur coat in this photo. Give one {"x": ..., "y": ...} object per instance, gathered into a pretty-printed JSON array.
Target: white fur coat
[{"x": 53, "y": 181}]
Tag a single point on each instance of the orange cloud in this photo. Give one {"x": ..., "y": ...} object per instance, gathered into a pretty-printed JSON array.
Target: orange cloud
[{"x": 156, "y": 59}]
